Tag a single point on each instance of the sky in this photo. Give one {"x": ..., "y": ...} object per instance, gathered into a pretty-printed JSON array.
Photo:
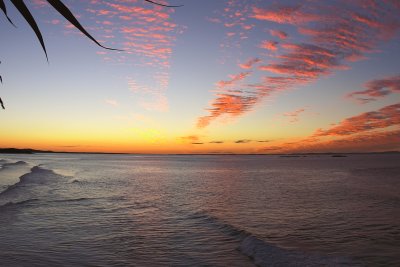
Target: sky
[{"x": 211, "y": 76}]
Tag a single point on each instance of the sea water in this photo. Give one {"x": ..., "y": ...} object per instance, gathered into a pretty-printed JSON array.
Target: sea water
[{"x": 204, "y": 210}]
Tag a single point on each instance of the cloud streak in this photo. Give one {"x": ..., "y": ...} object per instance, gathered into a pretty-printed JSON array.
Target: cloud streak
[
  {"x": 269, "y": 45},
  {"x": 147, "y": 33},
  {"x": 382, "y": 118},
  {"x": 111, "y": 102},
  {"x": 242, "y": 141},
  {"x": 368, "y": 131},
  {"x": 191, "y": 138},
  {"x": 294, "y": 115},
  {"x": 234, "y": 79},
  {"x": 331, "y": 42},
  {"x": 249, "y": 63},
  {"x": 280, "y": 34},
  {"x": 285, "y": 14},
  {"x": 377, "y": 89},
  {"x": 367, "y": 142},
  {"x": 234, "y": 105}
]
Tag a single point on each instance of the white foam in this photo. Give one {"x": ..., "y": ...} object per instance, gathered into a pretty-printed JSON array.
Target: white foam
[{"x": 37, "y": 175}]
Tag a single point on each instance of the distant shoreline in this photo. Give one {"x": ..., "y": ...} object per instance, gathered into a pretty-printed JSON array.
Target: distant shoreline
[{"x": 337, "y": 154}]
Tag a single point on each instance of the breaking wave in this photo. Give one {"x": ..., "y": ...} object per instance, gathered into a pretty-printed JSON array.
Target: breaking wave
[
  {"x": 37, "y": 175},
  {"x": 75, "y": 199},
  {"x": 19, "y": 203},
  {"x": 4, "y": 164},
  {"x": 263, "y": 253}
]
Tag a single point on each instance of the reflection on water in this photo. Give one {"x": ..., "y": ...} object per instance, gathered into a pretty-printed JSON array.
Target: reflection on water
[{"x": 125, "y": 210}]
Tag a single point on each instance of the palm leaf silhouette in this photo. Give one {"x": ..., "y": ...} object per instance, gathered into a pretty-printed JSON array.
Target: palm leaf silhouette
[
  {"x": 4, "y": 8},
  {"x": 64, "y": 11},
  {"x": 161, "y": 4},
  {"x": 23, "y": 9}
]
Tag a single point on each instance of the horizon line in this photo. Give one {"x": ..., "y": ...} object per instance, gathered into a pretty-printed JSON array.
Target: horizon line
[{"x": 39, "y": 151}]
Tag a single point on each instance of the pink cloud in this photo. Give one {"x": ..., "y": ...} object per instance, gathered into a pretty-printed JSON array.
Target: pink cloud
[
  {"x": 40, "y": 3},
  {"x": 285, "y": 15},
  {"x": 234, "y": 79},
  {"x": 385, "y": 117},
  {"x": 55, "y": 21},
  {"x": 280, "y": 34},
  {"x": 148, "y": 36},
  {"x": 214, "y": 20},
  {"x": 269, "y": 45},
  {"x": 294, "y": 115},
  {"x": 158, "y": 103},
  {"x": 370, "y": 131},
  {"x": 305, "y": 60},
  {"x": 377, "y": 89},
  {"x": 331, "y": 42},
  {"x": 368, "y": 142},
  {"x": 190, "y": 138},
  {"x": 106, "y": 22},
  {"x": 249, "y": 63},
  {"x": 146, "y": 32},
  {"x": 234, "y": 17},
  {"x": 233, "y": 105}
]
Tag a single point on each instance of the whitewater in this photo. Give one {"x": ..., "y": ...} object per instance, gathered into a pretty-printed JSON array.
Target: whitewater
[{"x": 199, "y": 210}]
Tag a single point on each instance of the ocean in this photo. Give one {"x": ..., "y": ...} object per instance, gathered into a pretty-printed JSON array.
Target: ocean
[{"x": 199, "y": 210}]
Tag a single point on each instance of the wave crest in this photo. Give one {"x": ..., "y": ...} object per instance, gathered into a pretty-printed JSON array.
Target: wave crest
[
  {"x": 19, "y": 203},
  {"x": 5, "y": 164},
  {"x": 37, "y": 175},
  {"x": 268, "y": 254}
]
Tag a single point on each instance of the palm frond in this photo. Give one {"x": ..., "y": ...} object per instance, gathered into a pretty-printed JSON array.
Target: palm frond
[
  {"x": 67, "y": 14},
  {"x": 1, "y": 101},
  {"x": 161, "y": 4},
  {"x": 4, "y": 8},
  {"x": 64, "y": 11},
  {"x": 23, "y": 9}
]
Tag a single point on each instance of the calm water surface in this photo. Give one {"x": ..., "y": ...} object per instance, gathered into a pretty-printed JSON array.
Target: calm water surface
[{"x": 127, "y": 210}]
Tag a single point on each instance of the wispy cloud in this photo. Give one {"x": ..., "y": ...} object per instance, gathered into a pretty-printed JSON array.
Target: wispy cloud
[
  {"x": 249, "y": 63},
  {"x": 190, "y": 138},
  {"x": 305, "y": 61},
  {"x": 280, "y": 34},
  {"x": 243, "y": 141},
  {"x": 294, "y": 115},
  {"x": 331, "y": 41},
  {"x": 234, "y": 79},
  {"x": 234, "y": 105},
  {"x": 369, "y": 131},
  {"x": 147, "y": 33},
  {"x": 367, "y": 142},
  {"x": 111, "y": 102},
  {"x": 151, "y": 96},
  {"x": 382, "y": 118},
  {"x": 234, "y": 17},
  {"x": 285, "y": 14},
  {"x": 216, "y": 142},
  {"x": 269, "y": 45},
  {"x": 377, "y": 89}
]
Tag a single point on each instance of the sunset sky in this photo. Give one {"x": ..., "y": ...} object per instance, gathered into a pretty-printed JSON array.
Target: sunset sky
[{"x": 212, "y": 76}]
